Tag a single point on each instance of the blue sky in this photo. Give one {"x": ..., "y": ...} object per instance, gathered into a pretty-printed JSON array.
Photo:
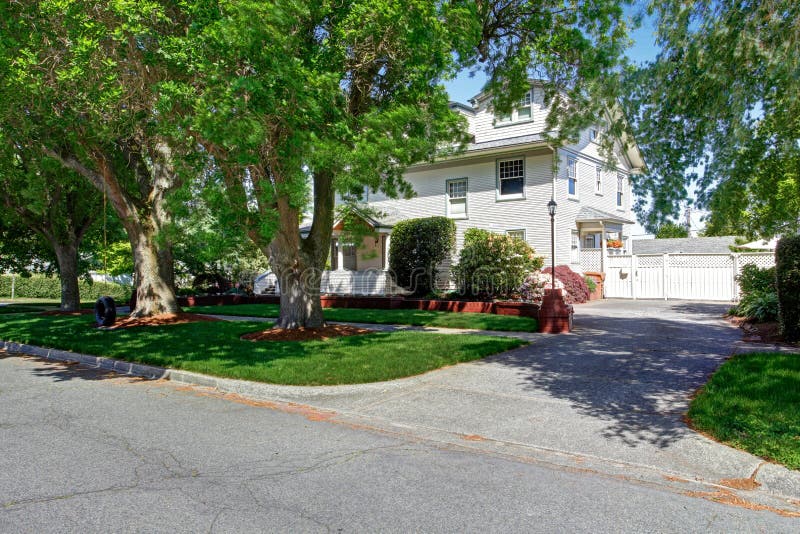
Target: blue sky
[{"x": 643, "y": 49}]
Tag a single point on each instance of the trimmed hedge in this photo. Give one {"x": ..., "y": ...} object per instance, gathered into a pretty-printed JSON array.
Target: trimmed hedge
[
  {"x": 787, "y": 277},
  {"x": 417, "y": 247},
  {"x": 49, "y": 287}
]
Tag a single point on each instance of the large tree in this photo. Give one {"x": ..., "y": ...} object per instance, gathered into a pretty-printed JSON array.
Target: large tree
[
  {"x": 333, "y": 97},
  {"x": 60, "y": 207},
  {"x": 80, "y": 78},
  {"x": 719, "y": 111}
]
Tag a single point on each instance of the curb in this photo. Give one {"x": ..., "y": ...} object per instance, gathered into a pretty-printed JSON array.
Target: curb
[{"x": 260, "y": 390}]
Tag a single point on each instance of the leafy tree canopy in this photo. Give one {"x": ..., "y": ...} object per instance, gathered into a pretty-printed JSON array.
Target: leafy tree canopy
[
  {"x": 670, "y": 229},
  {"x": 720, "y": 108}
]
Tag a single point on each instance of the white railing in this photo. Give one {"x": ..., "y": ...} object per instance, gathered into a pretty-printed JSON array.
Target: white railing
[
  {"x": 370, "y": 282},
  {"x": 679, "y": 276}
]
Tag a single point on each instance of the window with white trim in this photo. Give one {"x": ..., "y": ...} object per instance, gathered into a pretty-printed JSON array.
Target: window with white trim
[
  {"x": 511, "y": 178},
  {"x": 457, "y": 198},
  {"x": 598, "y": 180},
  {"x": 575, "y": 249},
  {"x": 593, "y": 134},
  {"x": 572, "y": 177},
  {"x": 517, "y": 234},
  {"x": 620, "y": 189},
  {"x": 523, "y": 111}
]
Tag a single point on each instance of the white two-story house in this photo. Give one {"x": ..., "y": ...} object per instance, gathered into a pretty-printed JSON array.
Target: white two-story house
[{"x": 502, "y": 182}]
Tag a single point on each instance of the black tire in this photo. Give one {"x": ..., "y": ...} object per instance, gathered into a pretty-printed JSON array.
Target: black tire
[{"x": 105, "y": 311}]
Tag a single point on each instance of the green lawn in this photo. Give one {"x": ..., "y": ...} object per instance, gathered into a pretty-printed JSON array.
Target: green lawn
[
  {"x": 215, "y": 349},
  {"x": 477, "y": 321},
  {"x": 753, "y": 402},
  {"x": 23, "y": 308}
]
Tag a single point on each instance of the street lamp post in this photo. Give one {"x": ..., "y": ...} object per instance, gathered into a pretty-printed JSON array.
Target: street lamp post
[{"x": 551, "y": 208}]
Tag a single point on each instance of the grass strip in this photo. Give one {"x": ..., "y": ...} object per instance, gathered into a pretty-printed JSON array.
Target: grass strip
[
  {"x": 215, "y": 349},
  {"x": 751, "y": 403},
  {"x": 474, "y": 321}
]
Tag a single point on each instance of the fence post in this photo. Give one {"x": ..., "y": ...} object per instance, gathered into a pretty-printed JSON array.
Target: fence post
[
  {"x": 634, "y": 274},
  {"x": 735, "y": 272},
  {"x": 665, "y": 276},
  {"x": 13, "y": 279}
]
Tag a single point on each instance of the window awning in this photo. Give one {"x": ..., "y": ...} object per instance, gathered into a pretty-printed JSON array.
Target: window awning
[{"x": 593, "y": 215}]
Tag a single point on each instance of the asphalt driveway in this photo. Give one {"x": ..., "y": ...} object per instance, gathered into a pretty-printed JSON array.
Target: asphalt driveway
[{"x": 610, "y": 396}]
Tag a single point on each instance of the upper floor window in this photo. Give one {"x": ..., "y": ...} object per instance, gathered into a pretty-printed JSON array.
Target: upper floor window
[
  {"x": 594, "y": 133},
  {"x": 517, "y": 234},
  {"x": 511, "y": 178},
  {"x": 572, "y": 177},
  {"x": 620, "y": 190},
  {"x": 523, "y": 111},
  {"x": 457, "y": 198},
  {"x": 598, "y": 180}
]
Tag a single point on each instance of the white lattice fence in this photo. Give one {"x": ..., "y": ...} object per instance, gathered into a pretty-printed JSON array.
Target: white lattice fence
[
  {"x": 679, "y": 276},
  {"x": 591, "y": 259}
]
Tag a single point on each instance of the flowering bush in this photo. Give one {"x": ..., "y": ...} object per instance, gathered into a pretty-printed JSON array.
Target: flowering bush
[
  {"x": 574, "y": 284},
  {"x": 493, "y": 265},
  {"x": 532, "y": 289}
]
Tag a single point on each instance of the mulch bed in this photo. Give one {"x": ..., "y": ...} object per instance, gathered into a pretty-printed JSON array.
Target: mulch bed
[
  {"x": 306, "y": 334},
  {"x": 160, "y": 320},
  {"x": 769, "y": 332}
]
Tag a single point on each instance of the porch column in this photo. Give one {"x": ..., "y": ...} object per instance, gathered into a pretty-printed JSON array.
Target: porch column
[
  {"x": 603, "y": 249},
  {"x": 339, "y": 256},
  {"x": 386, "y": 252}
]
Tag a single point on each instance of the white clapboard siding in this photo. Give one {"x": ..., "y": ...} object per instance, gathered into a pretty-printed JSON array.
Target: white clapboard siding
[
  {"x": 368, "y": 282},
  {"x": 679, "y": 276}
]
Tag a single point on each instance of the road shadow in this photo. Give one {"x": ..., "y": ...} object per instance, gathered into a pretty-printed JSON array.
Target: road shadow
[
  {"x": 58, "y": 371},
  {"x": 637, "y": 374}
]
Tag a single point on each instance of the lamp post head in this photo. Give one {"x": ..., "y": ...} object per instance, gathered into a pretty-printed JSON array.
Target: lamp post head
[{"x": 551, "y": 207}]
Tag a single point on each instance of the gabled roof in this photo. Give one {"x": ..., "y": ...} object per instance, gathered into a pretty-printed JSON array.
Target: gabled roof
[
  {"x": 587, "y": 214},
  {"x": 685, "y": 245}
]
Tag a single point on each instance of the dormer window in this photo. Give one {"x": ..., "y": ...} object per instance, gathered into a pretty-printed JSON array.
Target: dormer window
[{"x": 522, "y": 112}]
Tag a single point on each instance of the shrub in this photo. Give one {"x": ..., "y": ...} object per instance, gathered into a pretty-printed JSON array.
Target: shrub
[
  {"x": 493, "y": 265},
  {"x": 759, "y": 306},
  {"x": 49, "y": 287},
  {"x": 417, "y": 247},
  {"x": 574, "y": 285},
  {"x": 787, "y": 277},
  {"x": 534, "y": 285},
  {"x": 590, "y": 283},
  {"x": 754, "y": 279}
]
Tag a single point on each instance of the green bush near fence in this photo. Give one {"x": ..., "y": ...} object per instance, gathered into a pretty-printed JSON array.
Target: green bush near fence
[
  {"x": 787, "y": 269},
  {"x": 49, "y": 287}
]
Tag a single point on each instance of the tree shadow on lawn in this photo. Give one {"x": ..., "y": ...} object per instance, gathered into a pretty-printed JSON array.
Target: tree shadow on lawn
[{"x": 637, "y": 374}]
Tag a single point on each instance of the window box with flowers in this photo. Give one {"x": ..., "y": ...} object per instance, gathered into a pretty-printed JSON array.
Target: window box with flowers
[{"x": 614, "y": 246}]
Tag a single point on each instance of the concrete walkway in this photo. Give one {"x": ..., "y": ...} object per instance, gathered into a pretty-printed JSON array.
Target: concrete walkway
[{"x": 609, "y": 397}]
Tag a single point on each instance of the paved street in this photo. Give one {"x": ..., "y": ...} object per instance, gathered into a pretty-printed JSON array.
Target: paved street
[{"x": 578, "y": 432}]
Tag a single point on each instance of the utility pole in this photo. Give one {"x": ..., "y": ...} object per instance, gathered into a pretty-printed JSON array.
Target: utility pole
[{"x": 688, "y": 216}]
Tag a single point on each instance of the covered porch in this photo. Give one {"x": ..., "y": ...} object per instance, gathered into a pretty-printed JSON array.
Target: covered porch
[{"x": 597, "y": 235}]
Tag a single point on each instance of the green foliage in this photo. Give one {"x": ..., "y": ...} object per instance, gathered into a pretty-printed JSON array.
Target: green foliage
[
  {"x": 751, "y": 403},
  {"x": 417, "y": 247},
  {"x": 493, "y": 265},
  {"x": 590, "y": 283},
  {"x": 759, "y": 299},
  {"x": 220, "y": 351},
  {"x": 754, "y": 279},
  {"x": 787, "y": 275},
  {"x": 49, "y": 287},
  {"x": 670, "y": 229},
  {"x": 721, "y": 98}
]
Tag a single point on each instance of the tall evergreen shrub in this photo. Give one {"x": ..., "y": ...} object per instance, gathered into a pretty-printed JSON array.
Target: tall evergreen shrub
[
  {"x": 417, "y": 247},
  {"x": 787, "y": 271}
]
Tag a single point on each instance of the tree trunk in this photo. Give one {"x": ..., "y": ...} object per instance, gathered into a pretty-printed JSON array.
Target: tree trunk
[
  {"x": 155, "y": 293},
  {"x": 67, "y": 256},
  {"x": 298, "y": 262}
]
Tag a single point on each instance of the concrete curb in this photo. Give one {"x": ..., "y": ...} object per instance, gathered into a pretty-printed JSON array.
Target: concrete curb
[{"x": 228, "y": 385}]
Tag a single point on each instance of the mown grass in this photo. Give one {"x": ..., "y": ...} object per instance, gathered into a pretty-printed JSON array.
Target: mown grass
[
  {"x": 22, "y": 308},
  {"x": 475, "y": 321},
  {"x": 215, "y": 349},
  {"x": 753, "y": 402}
]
